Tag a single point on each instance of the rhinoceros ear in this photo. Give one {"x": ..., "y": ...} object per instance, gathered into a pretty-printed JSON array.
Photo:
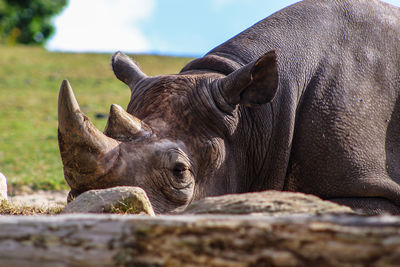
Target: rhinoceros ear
[
  {"x": 126, "y": 69},
  {"x": 254, "y": 84}
]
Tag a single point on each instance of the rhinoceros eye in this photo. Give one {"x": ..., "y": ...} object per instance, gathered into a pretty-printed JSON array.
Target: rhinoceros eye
[{"x": 179, "y": 170}]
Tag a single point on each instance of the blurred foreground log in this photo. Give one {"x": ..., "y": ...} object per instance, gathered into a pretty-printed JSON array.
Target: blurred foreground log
[{"x": 205, "y": 240}]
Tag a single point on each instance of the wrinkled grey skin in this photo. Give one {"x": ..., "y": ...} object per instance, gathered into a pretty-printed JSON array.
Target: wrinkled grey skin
[{"x": 305, "y": 100}]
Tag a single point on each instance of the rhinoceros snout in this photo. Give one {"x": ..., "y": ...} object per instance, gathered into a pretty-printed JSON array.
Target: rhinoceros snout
[{"x": 86, "y": 152}]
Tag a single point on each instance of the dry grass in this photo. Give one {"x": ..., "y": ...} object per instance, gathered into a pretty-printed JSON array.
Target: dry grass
[{"x": 8, "y": 208}]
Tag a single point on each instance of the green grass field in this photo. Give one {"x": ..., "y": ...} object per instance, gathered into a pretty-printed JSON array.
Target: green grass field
[{"x": 30, "y": 78}]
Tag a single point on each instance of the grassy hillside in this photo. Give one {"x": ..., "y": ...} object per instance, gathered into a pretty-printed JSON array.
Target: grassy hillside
[{"x": 29, "y": 82}]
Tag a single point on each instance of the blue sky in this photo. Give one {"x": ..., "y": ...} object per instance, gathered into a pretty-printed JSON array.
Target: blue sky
[{"x": 172, "y": 27}]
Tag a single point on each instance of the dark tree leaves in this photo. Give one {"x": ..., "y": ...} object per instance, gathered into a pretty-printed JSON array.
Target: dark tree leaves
[{"x": 28, "y": 21}]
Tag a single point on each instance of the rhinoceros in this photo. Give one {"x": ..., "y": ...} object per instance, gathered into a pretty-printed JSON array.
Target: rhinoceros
[{"x": 306, "y": 100}]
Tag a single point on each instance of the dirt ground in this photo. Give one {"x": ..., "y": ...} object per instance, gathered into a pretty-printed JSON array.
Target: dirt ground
[{"x": 40, "y": 198}]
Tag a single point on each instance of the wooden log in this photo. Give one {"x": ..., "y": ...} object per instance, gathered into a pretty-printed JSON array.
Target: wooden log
[{"x": 199, "y": 240}]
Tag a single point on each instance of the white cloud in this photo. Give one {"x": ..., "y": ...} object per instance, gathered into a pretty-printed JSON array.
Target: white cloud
[{"x": 102, "y": 26}]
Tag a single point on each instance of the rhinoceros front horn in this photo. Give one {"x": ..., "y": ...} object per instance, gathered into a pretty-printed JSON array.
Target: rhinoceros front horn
[{"x": 86, "y": 153}]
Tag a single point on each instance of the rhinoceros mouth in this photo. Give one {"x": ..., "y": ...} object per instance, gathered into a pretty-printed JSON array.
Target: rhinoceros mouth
[
  {"x": 87, "y": 153},
  {"x": 73, "y": 194}
]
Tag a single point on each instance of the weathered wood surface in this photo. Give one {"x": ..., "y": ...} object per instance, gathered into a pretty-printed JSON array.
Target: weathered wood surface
[{"x": 201, "y": 240}]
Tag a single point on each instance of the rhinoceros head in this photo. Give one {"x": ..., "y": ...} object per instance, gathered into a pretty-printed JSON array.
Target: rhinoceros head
[{"x": 172, "y": 140}]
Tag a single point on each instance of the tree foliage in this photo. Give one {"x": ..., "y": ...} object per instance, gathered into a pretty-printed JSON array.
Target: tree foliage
[{"x": 28, "y": 21}]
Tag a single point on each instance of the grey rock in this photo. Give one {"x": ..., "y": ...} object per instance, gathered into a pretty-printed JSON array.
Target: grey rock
[
  {"x": 266, "y": 203},
  {"x": 121, "y": 199}
]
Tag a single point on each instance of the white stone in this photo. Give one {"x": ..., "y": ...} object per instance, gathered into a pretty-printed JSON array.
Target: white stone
[
  {"x": 107, "y": 200},
  {"x": 3, "y": 187}
]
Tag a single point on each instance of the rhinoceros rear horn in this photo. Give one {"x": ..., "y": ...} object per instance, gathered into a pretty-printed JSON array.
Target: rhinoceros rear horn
[
  {"x": 254, "y": 84},
  {"x": 126, "y": 69},
  {"x": 123, "y": 126},
  {"x": 86, "y": 152}
]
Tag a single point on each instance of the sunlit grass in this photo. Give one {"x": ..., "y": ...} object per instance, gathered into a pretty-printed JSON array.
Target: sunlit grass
[{"x": 30, "y": 78}]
